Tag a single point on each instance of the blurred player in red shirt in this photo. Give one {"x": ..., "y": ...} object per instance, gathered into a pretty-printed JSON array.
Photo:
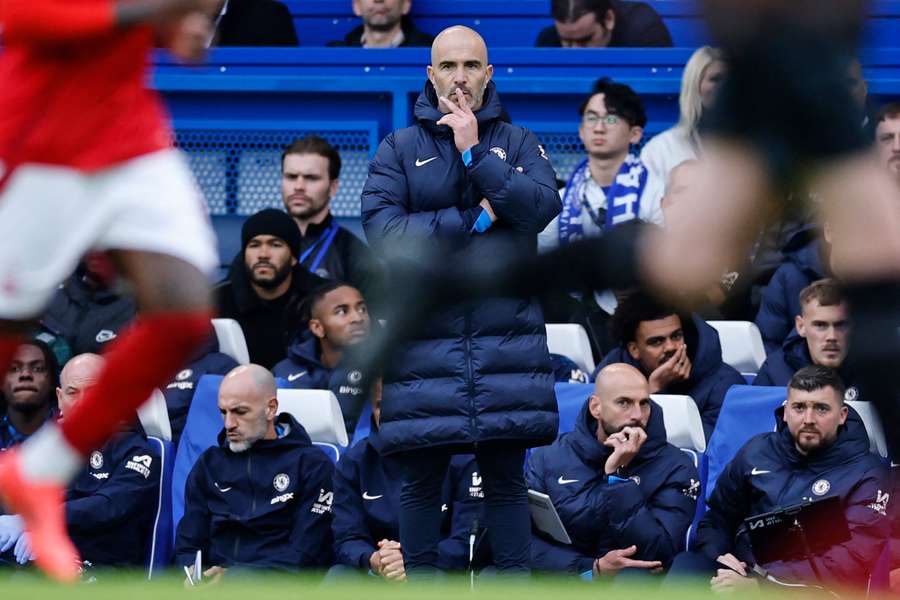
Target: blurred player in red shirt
[{"x": 87, "y": 163}]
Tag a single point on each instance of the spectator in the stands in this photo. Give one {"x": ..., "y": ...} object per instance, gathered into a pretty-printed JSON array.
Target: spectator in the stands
[
  {"x": 820, "y": 338},
  {"x": 677, "y": 353},
  {"x": 806, "y": 259},
  {"x": 602, "y": 24},
  {"x": 253, "y": 23},
  {"x": 110, "y": 506},
  {"x": 610, "y": 186},
  {"x": 310, "y": 171},
  {"x": 366, "y": 522},
  {"x": 701, "y": 78},
  {"x": 86, "y": 311},
  {"x": 28, "y": 387},
  {"x": 262, "y": 497},
  {"x": 887, "y": 137},
  {"x": 624, "y": 494},
  {"x": 385, "y": 24},
  {"x": 337, "y": 318},
  {"x": 179, "y": 392},
  {"x": 264, "y": 283}
]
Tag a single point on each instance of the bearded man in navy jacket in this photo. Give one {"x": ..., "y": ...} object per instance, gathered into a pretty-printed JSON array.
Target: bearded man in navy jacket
[
  {"x": 261, "y": 498},
  {"x": 477, "y": 378},
  {"x": 820, "y": 449},
  {"x": 625, "y": 496}
]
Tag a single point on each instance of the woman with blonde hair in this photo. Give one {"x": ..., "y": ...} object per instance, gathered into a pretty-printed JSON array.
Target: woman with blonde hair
[{"x": 702, "y": 76}]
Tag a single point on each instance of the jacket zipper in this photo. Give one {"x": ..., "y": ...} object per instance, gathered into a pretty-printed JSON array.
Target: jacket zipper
[{"x": 469, "y": 371}]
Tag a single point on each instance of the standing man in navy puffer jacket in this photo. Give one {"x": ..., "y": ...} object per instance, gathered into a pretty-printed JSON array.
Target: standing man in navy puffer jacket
[{"x": 477, "y": 377}]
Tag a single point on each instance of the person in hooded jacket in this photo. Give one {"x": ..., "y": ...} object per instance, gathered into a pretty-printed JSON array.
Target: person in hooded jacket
[
  {"x": 819, "y": 449},
  {"x": 87, "y": 312},
  {"x": 180, "y": 391},
  {"x": 367, "y": 507},
  {"x": 821, "y": 338},
  {"x": 262, "y": 498},
  {"x": 624, "y": 494},
  {"x": 337, "y": 317},
  {"x": 111, "y": 504},
  {"x": 678, "y": 354},
  {"x": 464, "y": 185},
  {"x": 805, "y": 261}
]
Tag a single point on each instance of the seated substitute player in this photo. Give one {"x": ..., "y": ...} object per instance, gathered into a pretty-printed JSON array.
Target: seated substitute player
[
  {"x": 820, "y": 449},
  {"x": 367, "y": 501},
  {"x": 678, "y": 354},
  {"x": 338, "y": 318},
  {"x": 28, "y": 386},
  {"x": 265, "y": 283},
  {"x": 110, "y": 506},
  {"x": 262, "y": 498},
  {"x": 820, "y": 338},
  {"x": 625, "y": 496}
]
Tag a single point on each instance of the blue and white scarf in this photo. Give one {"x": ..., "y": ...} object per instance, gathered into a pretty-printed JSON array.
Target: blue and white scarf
[{"x": 623, "y": 201}]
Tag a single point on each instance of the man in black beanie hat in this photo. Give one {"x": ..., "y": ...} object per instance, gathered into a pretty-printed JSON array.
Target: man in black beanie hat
[{"x": 265, "y": 284}]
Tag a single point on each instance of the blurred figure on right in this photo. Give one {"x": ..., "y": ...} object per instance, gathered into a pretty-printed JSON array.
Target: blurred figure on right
[{"x": 702, "y": 75}]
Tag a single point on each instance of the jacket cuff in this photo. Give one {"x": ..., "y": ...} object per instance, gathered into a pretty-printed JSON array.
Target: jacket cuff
[{"x": 585, "y": 563}]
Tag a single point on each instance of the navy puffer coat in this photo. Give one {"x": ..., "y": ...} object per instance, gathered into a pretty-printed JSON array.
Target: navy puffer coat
[{"x": 481, "y": 371}]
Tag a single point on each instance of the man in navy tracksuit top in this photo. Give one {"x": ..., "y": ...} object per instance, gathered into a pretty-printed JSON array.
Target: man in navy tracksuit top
[
  {"x": 820, "y": 449},
  {"x": 262, "y": 498},
  {"x": 678, "y": 354},
  {"x": 821, "y": 338},
  {"x": 461, "y": 184},
  {"x": 625, "y": 496},
  {"x": 337, "y": 318},
  {"x": 367, "y": 506},
  {"x": 111, "y": 505}
]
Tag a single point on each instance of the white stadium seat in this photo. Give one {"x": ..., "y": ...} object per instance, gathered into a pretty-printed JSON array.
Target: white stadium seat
[
  {"x": 571, "y": 340},
  {"x": 231, "y": 340},
  {"x": 872, "y": 421},
  {"x": 319, "y": 413},
  {"x": 742, "y": 345},
  {"x": 684, "y": 429},
  {"x": 154, "y": 417}
]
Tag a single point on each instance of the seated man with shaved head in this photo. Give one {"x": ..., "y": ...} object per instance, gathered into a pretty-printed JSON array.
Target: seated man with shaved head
[
  {"x": 110, "y": 506},
  {"x": 262, "y": 497},
  {"x": 624, "y": 494}
]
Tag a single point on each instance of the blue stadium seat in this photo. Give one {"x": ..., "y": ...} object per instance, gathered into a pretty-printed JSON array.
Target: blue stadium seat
[
  {"x": 746, "y": 411},
  {"x": 161, "y": 546},
  {"x": 570, "y": 397}
]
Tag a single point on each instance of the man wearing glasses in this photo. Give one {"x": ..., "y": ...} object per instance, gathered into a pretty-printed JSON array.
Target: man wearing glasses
[{"x": 611, "y": 186}]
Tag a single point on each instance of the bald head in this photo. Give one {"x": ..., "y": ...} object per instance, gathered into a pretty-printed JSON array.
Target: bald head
[
  {"x": 248, "y": 403},
  {"x": 621, "y": 399},
  {"x": 79, "y": 375},
  {"x": 459, "y": 61}
]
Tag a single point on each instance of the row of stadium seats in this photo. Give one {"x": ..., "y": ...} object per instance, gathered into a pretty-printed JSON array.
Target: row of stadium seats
[{"x": 742, "y": 345}]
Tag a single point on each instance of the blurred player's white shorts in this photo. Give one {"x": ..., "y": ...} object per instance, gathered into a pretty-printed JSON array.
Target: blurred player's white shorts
[{"x": 51, "y": 216}]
